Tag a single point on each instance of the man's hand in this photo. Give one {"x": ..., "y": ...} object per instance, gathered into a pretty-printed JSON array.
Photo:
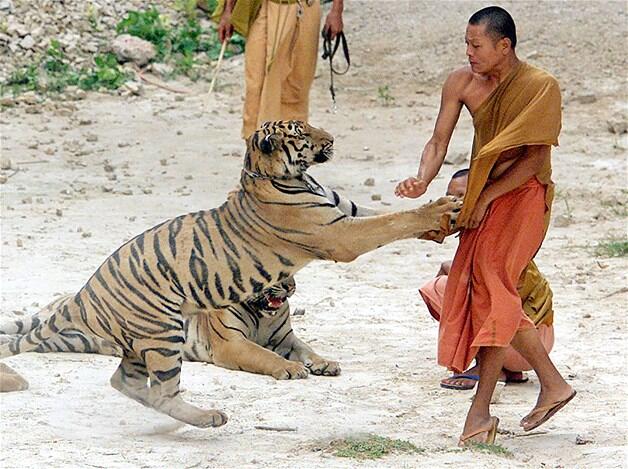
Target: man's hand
[
  {"x": 333, "y": 23},
  {"x": 225, "y": 28},
  {"x": 411, "y": 187},
  {"x": 479, "y": 211}
]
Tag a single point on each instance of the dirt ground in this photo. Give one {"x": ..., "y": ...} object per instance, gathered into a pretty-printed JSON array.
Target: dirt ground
[{"x": 94, "y": 173}]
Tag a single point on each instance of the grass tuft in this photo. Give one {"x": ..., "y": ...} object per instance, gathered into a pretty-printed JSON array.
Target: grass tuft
[
  {"x": 371, "y": 447},
  {"x": 612, "y": 247}
]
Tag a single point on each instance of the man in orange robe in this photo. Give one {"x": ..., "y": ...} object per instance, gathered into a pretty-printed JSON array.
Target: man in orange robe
[
  {"x": 516, "y": 111},
  {"x": 536, "y": 298}
]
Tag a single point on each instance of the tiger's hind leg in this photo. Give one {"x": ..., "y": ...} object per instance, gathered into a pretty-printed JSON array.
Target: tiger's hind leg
[
  {"x": 164, "y": 371},
  {"x": 131, "y": 379}
]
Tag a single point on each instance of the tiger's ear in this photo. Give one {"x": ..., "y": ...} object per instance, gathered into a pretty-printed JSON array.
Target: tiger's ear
[{"x": 269, "y": 143}]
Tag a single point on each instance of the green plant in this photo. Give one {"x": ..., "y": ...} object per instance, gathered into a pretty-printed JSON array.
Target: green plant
[
  {"x": 383, "y": 93},
  {"x": 106, "y": 73},
  {"x": 148, "y": 25},
  {"x": 495, "y": 449},
  {"x": 25, "y": 79},
  {"x": 612, "y": 247},
  {"x": 186, "y": 6},
  {"x": 91, "y": 12},
  {"x": 371, "y": 447}
]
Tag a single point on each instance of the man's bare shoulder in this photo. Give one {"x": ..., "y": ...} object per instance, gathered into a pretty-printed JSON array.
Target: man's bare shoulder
[{"x": 460, "y": 78}]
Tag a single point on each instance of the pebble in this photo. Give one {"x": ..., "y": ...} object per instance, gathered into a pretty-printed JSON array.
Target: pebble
[
  {"x": 376, "y": 197},
  {"x": 6, "y": 163},
  {"x": 59, "y": 212},
  {"x": 369, "y": 182}
]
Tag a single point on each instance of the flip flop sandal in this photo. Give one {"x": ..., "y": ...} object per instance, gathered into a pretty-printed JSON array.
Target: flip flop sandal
[
  {"x": 460, "y": 387},
  {"x": 549, "y": 410},
  {"x": 491, "y": 432}
]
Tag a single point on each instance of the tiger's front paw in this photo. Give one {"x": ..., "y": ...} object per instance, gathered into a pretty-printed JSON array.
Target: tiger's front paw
[
  {"x": 441, "y": 215},
  {"x": 290, "y": 370},
  {"x": 322, "y": 367}
]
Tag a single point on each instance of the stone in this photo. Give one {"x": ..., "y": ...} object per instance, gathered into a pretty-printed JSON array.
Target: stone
[
  {"x": 370, "y": 182},
  {"x": 6, "y": 6},
  {"x": 376, "y": 197},
  {"x": 27, "y": 42},
  {"x": 562, "y": 221},
  {"x": 6, "y": 163},
  {"x": 617, "y": 126},
  {"x": 133, "y": 49},
  {"x": 585, "y": 99}
]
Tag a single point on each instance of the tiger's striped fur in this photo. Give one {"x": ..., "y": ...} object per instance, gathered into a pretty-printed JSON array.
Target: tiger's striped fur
[
  {"x": 259, "y": 327},
  {"x": 203, "y": 262}
]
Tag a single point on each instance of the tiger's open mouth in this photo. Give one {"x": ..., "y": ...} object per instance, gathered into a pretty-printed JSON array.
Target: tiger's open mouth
[{"x": 268, "y": 304}]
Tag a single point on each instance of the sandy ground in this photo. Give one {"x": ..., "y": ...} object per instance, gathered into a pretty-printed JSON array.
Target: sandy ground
[{"x": 62, "y": 215}]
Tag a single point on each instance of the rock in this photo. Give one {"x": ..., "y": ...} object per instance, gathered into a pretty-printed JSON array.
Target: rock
[
  {"x": 84, "y": 121},
  {"x": 162, "y": 70},
  {"x": 91, "y": 138},
  {"x": 59, "y": 212},
  {"x": 27, "y": 42},
  {"x": 585, "y": 99},
  {"x": 133, "y": 49},
  {"x": 6, "y": 6},
  {"x": 19, "y": 243},
  {"x": 562, "y": 221},
  {"x": 3, "y": 179},
  {"x": 134, "y": 87},
  {"x": 30, "y": 98},
  {"x": 7, "y": 101},
  {"x": 376, "y": 197},
  {"x": 298, "y": 312},
  {"x": 583, "y": 440},
  {"x": 370, "y": 182},
  {"x": 6, "y": 163},
  {"x": 617, "y": 126}
]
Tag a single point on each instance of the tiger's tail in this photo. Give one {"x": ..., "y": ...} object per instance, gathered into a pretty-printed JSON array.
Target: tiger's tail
[
  {"x": 23, "y": 326},
  {"x": 38, "y": 331}
]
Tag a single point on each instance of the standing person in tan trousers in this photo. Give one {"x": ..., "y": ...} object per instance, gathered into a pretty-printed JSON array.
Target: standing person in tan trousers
[{"x": 280, "y": 57}]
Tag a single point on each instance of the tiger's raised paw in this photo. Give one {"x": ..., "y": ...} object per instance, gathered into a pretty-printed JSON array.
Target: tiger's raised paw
[
  {"x": 322, "y": 367},
  {"x": 291, "y": 370}
]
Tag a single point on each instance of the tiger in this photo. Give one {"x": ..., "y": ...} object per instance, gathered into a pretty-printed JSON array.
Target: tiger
[
  {"x": 277, "y": 222},
  {"x": 255, "y": 335}
]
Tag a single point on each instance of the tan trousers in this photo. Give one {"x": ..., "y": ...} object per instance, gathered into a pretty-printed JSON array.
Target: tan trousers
[{"x": 280, "y": 61}]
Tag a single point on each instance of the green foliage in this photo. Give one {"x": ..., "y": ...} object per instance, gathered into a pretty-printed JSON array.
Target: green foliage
[
  {"x": 371, "y": 447},
  {"x": 21, "y": 80},
  {"x": 147, "y": 25},
  {"x": 106, "y": 73},
  {"x": 53, "y": 73},
  {"x": 495, "y": 449},
  {"x": 383, "y": 93},
  {"x": 186, "y": 6},
  {"x": 612, "y": 247},
  {"x": 181, "y": 43}
]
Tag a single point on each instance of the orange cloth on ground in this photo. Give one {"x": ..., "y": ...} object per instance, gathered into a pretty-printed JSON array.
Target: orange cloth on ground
[
  {"x": 280, "y": 62},
  {"x": 481, "y": 306}
]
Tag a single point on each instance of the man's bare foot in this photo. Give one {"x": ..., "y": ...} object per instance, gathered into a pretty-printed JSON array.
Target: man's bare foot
[{"x": 547, "y": 404}]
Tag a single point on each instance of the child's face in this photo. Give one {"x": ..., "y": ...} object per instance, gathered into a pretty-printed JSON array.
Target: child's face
[{"x": 457, "y": 187}]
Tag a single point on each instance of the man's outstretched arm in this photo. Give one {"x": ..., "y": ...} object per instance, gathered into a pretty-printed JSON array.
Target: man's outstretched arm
[{"x": 436, "y": 148}]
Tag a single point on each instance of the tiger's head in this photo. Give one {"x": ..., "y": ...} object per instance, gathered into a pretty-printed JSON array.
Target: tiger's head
[
  {"x": 286, "y": 149},
  {"x": 271, "y": 300}
]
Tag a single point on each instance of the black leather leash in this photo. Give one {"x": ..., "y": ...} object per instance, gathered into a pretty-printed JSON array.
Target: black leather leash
[{"x": 328, "y": 53}]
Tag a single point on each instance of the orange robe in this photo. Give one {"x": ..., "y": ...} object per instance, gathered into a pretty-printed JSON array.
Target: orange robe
[{"x": 481, "y": 306}]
